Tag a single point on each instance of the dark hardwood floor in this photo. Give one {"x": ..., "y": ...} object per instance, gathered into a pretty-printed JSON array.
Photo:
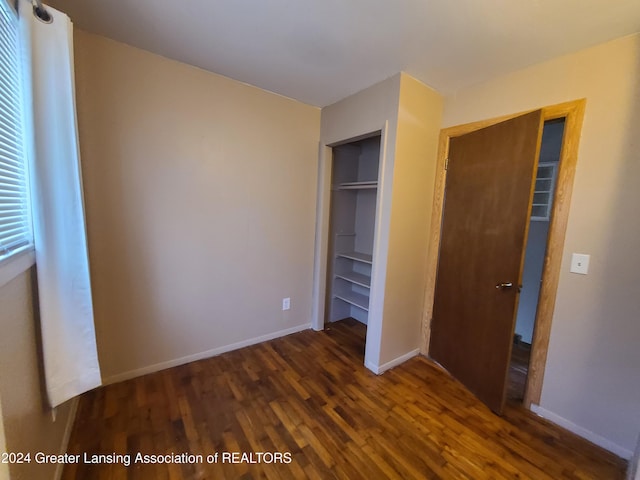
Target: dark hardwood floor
[{"x": 308, "y": 394}]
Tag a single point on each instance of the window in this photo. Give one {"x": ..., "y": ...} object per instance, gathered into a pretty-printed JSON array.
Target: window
[{"x": 15, "y": 215}]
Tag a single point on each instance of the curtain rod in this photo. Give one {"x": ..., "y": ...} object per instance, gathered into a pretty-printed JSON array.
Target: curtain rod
[{"x": 41, "y": 12}]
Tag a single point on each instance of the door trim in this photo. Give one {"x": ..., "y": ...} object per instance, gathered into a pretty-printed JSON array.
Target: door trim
[{"x": 573, "y": 113}]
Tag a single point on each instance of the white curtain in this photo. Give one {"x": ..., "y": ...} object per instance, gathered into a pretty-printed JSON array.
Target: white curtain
[{"x": 66, "y": 310}]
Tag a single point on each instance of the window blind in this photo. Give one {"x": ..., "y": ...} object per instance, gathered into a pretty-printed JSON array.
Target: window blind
[{"x": 15, "y": 215}]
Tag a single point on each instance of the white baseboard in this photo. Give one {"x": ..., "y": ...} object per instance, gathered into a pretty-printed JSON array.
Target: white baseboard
[
  {"x": 64, "y": 445},
  {"x": 380, "y": 369},
  {"x": 582, "y": 432},
  {"x": 138, "y": 372}
]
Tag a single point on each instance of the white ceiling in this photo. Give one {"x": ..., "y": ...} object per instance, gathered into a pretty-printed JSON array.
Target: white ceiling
[{"x": 320, "y": 51}]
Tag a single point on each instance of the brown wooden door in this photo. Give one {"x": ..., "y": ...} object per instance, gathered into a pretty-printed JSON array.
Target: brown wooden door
[{"x": 489, "y": 188}]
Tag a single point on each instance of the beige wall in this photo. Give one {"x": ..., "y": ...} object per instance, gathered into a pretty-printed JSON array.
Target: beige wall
[
  {"x": 200, "y": 201},
  {"x": 419, "y": 120},
  {"x": 592, "y": 381},
  {"x": 28, "y": 425}
]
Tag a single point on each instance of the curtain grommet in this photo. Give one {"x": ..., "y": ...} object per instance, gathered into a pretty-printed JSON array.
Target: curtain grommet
[{"x": 41, "y": 14}]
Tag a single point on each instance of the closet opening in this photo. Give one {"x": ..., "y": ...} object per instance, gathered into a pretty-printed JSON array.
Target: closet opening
[
  {"x": 353, "y": 200},
  {"x": 537, "y": 240}
]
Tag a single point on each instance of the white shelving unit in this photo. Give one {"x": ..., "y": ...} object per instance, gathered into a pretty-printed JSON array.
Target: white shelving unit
[
  {"x": 543, "y": 192},
  {"x": 353, "y": 207}
]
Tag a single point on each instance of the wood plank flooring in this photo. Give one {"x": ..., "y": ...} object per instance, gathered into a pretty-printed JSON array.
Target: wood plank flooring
[{"x": 309, "y": 395}]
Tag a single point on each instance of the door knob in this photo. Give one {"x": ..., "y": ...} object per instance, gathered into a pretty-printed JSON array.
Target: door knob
[{"x": 504, "y": 285}]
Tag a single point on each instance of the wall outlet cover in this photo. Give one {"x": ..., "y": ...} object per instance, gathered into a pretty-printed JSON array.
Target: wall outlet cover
[
  {"x": 286, "y": 303},
  {"x": 580, "y": 263}
]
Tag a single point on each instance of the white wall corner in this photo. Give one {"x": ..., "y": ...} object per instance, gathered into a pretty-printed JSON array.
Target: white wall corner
[{"x": 582, "y": 432}]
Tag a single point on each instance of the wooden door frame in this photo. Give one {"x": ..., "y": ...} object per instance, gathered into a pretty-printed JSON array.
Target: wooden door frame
[{"x": 573, "y": 113}]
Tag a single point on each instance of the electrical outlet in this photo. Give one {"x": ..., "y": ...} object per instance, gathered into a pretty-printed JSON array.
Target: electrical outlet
[{"x": 286, "y": 303}]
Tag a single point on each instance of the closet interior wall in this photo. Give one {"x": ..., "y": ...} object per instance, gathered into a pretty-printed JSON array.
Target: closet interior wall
[{"x": 354, "y": 190}]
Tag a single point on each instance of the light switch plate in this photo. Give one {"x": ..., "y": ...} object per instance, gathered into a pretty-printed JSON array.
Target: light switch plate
[{"x": 580, "y": 263}]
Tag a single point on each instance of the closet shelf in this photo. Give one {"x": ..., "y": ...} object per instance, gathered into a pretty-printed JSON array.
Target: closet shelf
[
  {"x": 356, "y": 278},
  {"x": 352, "y": 298},
  {"x": 357, "y": 256},
  {"x": 357, "y": 185}
]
